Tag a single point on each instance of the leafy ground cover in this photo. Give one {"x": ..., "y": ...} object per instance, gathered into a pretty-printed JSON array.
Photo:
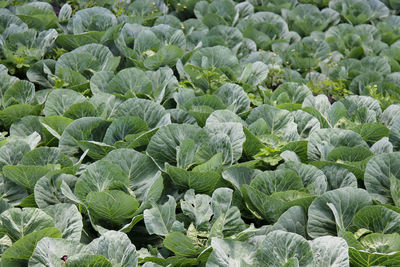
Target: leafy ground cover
[{"x": 200, "y": 133}]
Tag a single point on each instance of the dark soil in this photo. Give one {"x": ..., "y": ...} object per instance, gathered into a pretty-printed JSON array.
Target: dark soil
[
  {"x": 56, "y": 7},
  {"x": 273, "y": 87}
]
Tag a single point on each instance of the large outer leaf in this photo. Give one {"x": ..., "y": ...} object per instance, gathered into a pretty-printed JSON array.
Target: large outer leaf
[
  {"x": 293, "y": 220},
  {"x": 163, "y": 145},
  {"x": 95, "y": 57},
  {"x": 37, "y": 15},
  {"x": 201, "y": 182},
  {"x": 12, "y": 193},
  {"x": 197, "y": 207},
  {"x": 280, "y": 247},
  {"x": 223, "y": 116},
  {"x": 226, "y": 138},
  {"x": 27, "y": 176},
  {"x": 377, "y": 219},
  {"x": 160, "y": 218},
  {"x": 390, "y": 114},
  {"x": 322, "y": 220},
  {"x": 152, "y": 113},
  {"x": 270, "y": 182},
  {"x": 228, "y": 253},
  {"x": 164, "y": 83},
  {"x": 59, "y": 101},
  {"x": 83, "y": 129},
  {"x": 380, "y": 250},
  {"x": 92, "y": 19},
  {"x": 181, "y": 245},
  {"x": 394, "y": 133},
  {"x": 27, "y": 126},
  {"x": 12, "y": 152},
  {"x": 17, "y": 223},
  {"x": 88, "y": 260},
  {"x": 338, "y": 176},
  {"x": 20, "y": 252},
  {"x": 105, "y": 104},
  {"x": 116, "y": 247},
  {"x": 55, "y": 125},
  {"x": 306, "y": 123},
  {"x": 322, "y": 141},
  {"x": 144, "y": 176},
  {"x": 165, "y": 56},
  {"x": 383, "y": 146},
  {"x": 313, "y": 179},
  {"x": 234, "y": 97},
  {"x": 49, "y": 251},
  {"x": 111, "y": 207},
  {"x": 226, "y": 220},
  {"x": 100, "y": 176},
  {"x": 21, "y": 92},
  {"x": 276, "y": 119},
  {"x": 271, "y": 207},
  {"x": 238, "y": 176},
  {"x": 355, "y": 102},
  {"x": 67, "y": 219},
  {"x": 254, "y": 73},
  {"x": 42, "y": 156},
  {"x": 81, "y": 110},
  {"x": 299, "y": 18},
  {"x": 381, "y": 174},
  {"x": 330, "y": 251},
  {"x": 65, "y": 12},
  {"x": 99, "y": 81},
  {"x": 6, "y": 80},
  {"x": 47, "y": 190},
  {"x": 351, "y": 10},
  {"x": 291, "y": 93},
  {"x": 320, "y": 103},
  {"x": 129, "y": 81},
  {"x": 216, "y": 57},
  {"x": 146, "y": 40},
  {"x": 95, "y": 150},
  {"x": 201, "y": 107},
  {"x": 349, "y": 154},
  {"x": 16, "y": 112},
  {"x": 123, "y": 126}
]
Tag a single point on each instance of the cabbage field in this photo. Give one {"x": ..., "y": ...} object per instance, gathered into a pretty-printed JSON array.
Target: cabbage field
[{"x": 224, "y": 133}]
